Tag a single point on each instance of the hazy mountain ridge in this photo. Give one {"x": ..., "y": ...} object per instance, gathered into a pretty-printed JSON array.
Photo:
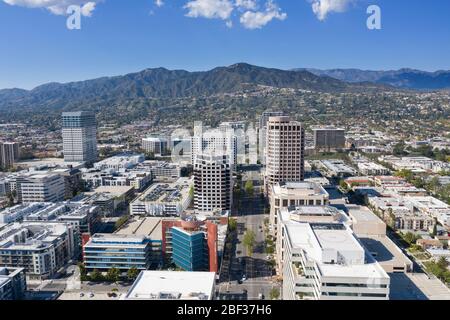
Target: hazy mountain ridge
[{"x": 403, "y": 78}]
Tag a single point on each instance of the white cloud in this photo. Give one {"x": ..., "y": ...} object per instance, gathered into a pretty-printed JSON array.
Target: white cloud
[
  {"x": 258, "y": 19},
  {"x": 252, "y": 13},
  {"x": 58, "y": 7},
  {"x": 88, "y": 8},
  {"x": 211, "y": 9},
  {"x": 247, "y": 4},
  {"x": 251, "y": 18},
  {"x": 322, "y": 8}
]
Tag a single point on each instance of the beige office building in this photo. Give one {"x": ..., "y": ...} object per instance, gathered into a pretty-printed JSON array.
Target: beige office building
[
  {"x": 285, "y": 141},
  {"x": 295, "y": 194}
]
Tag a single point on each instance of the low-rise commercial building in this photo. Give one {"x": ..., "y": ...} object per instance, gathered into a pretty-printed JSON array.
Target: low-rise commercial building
[
  {"x": 329, "y": 138},
  {"x": 137, "y": 179},
  {"x": 416, "y": 164},
  {"x": 156, "y": 145},
  {"x": 326, "y": 262},
  {"x": 164, "y": 199},
  {"x": 432, "y": 207},
  {"x": 116, "y": 163},
  {"x": 369, "y": 168},
  {"x": 304, "y": 214},
  {"x": 371, "y": 232},
  {"x": 138, "y": 243},
  {"x": 337, "y": 168},
  {"x": 402, "y": 213},
  {"x": 162, "y": 170},
  {"x": 84, "y": 218},
  {"x": 194, "y": 245},
  {"x": 173, "y": 285},
  {"x": 105, "y": 251},
  {"x": 294, "y": 194},
  {"x": 40, "y": 187}
]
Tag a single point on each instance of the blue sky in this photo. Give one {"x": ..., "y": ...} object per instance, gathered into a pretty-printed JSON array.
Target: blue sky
[{"x": 123, "y": 36}]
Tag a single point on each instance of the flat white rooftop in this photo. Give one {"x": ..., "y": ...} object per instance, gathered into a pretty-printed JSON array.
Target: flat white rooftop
[
  {"x": 172, "y": 285},
  {"x": 318, "y": 242}
]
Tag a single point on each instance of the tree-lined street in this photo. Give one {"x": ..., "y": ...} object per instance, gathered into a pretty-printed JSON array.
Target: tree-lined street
[{"x": 246, "y": 272}]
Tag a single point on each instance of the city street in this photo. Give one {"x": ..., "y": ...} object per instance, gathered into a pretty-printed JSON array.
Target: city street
[{"x": 255, "y": 268}]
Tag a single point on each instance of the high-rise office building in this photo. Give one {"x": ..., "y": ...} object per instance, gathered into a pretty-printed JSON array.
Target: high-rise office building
[
  {"x": 212, "y": 183},
  {"x": 262, "y": 130},
  {"x": 217, "y": 141},
  {"x": 285, "y": 140},
  {"x": 9, "y": 154},
  {"x": 79, "y": 131},
  {"x": 329, "y": 138}
]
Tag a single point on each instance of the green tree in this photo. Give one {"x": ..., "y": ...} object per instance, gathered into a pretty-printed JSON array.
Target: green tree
[
  {"x": 249, "y": 188},
  {"x": 122, "y": 220},
  {"x": 391, "y": 222},
  {"x": 434, "y": 233},
  {"x": 96, "y": 276},
  {"x": 232, "y": 224},
  {"x": 343, "y": 185},
  {"x": 83, "y": 271},
  {"x": 399, "y": 149},
  {"x": 434, "y": 185},
  {"x": 249, "y": 241},
  {"x": 132, "y": 274},
  {"x": 405, "y": 174},
  {"x": 149, "y": 156},
  {"x": 442, "y": 263},
  {"x": 410, "y": 238},
  {"x": 113, "y": 274},
  {"x": 274, "y": 294}
]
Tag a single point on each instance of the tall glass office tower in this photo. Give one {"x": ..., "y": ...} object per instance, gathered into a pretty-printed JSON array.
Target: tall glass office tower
[{"x": 79, "y": 131}]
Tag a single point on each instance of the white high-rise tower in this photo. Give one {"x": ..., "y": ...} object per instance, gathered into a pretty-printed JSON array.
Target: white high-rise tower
[{"x": 79, "y": 131}]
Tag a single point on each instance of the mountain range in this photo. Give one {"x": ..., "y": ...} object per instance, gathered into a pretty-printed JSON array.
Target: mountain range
[
  {"x": 161, "y": 83},
  {"x": 163, "y": 92},
  {"x": 403, "y": 78}
]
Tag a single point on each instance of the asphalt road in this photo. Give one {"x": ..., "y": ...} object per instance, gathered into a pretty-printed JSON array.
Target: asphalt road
[{"x": 239, "y": 262}]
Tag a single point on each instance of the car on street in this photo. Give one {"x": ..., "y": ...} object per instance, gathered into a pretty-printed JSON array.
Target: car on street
[
  {"x": 244, "y": 277},
  {"x": 261, "y": 296}
]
